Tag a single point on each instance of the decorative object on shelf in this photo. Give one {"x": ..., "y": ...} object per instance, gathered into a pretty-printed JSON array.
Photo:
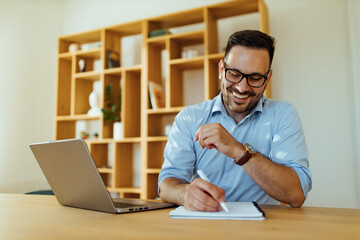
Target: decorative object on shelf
[
  {"x": 159, "y": 32},
  {"x": 89, "y": 46},
  {"x": 82, "y": 65},
  {"x": 167, "y": 129},
  {"x": 192, "y": 53},
  {"x": 118, "y": 130},
  {"x": 113, "y": 59},
  {"x": 110, "y": 158},
  {"x": 84, "y": 135},
  {"x": 157, "y": 97},
  {"x": 97, "y": 65},
  {"x": 112, "y": 111},
  {"x": 94, "y": 104},
  {"x": 74, "y": 47},
  {"x": 81, "y": 126},
  {"x": 189, "y": 53}
]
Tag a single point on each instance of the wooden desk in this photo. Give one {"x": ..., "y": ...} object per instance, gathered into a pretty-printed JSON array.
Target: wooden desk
[{"x": 41, "y": 217}]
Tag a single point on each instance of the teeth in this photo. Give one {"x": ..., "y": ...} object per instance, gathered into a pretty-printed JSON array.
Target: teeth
[{"x": 241, "y": 96}]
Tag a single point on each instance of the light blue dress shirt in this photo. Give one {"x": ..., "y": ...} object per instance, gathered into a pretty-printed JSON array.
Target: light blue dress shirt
[{"x": 272, "y": 128}]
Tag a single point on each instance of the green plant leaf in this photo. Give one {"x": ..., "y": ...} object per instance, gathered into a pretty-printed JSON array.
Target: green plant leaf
[{"x": 112, "y": 109}]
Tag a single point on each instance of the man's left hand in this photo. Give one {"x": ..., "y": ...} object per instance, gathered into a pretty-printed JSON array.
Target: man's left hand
[{"x": 214, "y": 135}]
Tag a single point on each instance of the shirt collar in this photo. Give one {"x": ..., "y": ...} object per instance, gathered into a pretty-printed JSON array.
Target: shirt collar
[{"x": 219, "y": 106}]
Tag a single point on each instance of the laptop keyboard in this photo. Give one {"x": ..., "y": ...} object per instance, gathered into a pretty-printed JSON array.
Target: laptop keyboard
[{"x": 126, "y": 205}]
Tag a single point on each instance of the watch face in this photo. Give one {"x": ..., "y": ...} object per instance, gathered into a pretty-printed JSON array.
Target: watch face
[{"x": 251, "y": 149}]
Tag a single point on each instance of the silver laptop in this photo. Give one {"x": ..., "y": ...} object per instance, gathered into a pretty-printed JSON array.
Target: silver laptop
[{"x": 76, "y": 182}]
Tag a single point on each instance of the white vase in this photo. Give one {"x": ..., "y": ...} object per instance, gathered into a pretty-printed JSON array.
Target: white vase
[{"x": 118, "y": 131}]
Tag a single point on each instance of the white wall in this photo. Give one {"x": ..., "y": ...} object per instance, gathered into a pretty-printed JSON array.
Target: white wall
[
  {"x": 28, "y": 43},
  {"x": 354, "y": 33},
  {"x": 110, "y": 12},
  {"x": 311, "y": 70}
]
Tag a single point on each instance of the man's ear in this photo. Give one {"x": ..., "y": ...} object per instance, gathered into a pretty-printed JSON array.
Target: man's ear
[
  {"x": 220, "y": 67},
  {"x": 268, "y": 79}
]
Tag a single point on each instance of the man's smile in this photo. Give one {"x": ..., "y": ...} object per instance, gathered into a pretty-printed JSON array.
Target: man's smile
[{"x": 239, "y": 98}]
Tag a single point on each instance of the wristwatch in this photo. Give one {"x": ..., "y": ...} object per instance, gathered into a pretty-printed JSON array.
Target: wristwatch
[{"x": 249, "y": 152}]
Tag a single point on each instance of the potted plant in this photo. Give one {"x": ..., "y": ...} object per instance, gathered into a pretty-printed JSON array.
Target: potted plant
[{"x": 112, "y": 111}]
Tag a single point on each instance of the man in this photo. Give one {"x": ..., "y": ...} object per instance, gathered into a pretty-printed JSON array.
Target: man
[{"x": 251, "y": 148}]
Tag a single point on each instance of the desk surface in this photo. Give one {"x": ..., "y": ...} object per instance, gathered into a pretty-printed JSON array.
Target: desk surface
[{"x": 41, "y": 217}]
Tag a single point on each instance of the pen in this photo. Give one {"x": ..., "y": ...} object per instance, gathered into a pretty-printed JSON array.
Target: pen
[{"x": 204, "y": 177}]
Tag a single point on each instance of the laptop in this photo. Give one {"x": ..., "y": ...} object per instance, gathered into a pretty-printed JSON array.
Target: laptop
[{"x": 76, "y": 182}]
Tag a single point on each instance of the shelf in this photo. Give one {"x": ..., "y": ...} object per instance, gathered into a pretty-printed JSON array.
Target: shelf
[
  {"x": 127, "y": 29},
  {"x": 99, "y": 141},
  {"x": 157, "y": 139},
  {"x": 182, "y": 43},
  {"x": 66, "y": 56},
  {"x": 125, "y": 189},
  {"x": 157, "y": 123},
  {"x": 233, "y": 8},
  {"x": 167, "y": 60},
  {"x": 110, "y": 140},
  {"x": 165, "y": 110},
  {"x": 153, "y": 170},
  {"x": 91, "y": 53},
  {"x": 77, "y": 117},
  {"x": 216, "y": 56},
  {"x": 113, "y": 71},
  {"x": 119, "y": 70},
  {"x": 189, "y": 38},
  {"x": 91, "y": 76},
  {"x": 188, "y": 63},
  {"x": 158, "y": 41},
  {"x": 64, "y": 87},
  {"x": 80, "y": 38},
  {"x": 178, "y": 19},
  {"x": 129, "y": 140},
  {"x": 83, "y": 37},
  {"x": 136, "y": 68},
  {"x": 105, "y": 170}
]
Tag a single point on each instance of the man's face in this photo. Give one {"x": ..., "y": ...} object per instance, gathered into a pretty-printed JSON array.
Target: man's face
[{"x": 240, "y": 98}]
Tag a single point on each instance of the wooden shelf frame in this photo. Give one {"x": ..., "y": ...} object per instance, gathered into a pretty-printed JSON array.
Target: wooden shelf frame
[{"x": 143, "y": 126}]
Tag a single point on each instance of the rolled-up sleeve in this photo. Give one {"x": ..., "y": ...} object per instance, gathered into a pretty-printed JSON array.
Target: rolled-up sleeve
[
  {"x": 288, "y": 146},
  {"x": 179, "y": 156}
]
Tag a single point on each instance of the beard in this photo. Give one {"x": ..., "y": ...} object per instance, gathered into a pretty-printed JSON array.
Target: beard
[{"x": 237, "y": 107}]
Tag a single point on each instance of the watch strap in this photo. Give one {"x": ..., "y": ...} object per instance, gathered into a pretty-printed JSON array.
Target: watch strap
[{"x": 245, "y": 157}]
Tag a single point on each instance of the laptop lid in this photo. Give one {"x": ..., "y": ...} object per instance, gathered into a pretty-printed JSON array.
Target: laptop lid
[{"x": 73, "y": 175}]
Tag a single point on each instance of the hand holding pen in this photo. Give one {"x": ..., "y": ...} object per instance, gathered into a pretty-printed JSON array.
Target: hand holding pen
[
  {"x": 201, "y": 195},
  {"x": 204, "y": 177}
]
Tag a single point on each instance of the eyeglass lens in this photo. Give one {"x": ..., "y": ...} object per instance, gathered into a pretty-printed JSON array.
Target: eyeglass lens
[{"x": 253, "y": 80}]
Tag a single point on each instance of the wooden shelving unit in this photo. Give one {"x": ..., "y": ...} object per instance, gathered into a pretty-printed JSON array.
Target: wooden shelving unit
[{"x": 144, "y": 139}]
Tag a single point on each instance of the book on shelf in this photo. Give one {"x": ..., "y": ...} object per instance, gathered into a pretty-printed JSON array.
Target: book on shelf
[
  {"x": 113, "y": 59},
  {"x": 159, "y": 32},
  {"x": 157, "y": 96}
]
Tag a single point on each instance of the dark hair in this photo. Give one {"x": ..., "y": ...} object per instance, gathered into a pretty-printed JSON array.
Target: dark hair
[{"x": 252, "y": 39}]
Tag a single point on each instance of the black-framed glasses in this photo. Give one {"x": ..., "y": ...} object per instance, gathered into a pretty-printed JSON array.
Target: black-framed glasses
[{"x": 253, "y": 80}]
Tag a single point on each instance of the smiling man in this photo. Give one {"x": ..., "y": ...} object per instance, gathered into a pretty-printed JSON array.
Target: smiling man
[{"x": 251, "y": 148}]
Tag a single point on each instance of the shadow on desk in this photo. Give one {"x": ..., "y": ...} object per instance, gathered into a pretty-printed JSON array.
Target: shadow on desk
[{"x": 41, "y": 192}]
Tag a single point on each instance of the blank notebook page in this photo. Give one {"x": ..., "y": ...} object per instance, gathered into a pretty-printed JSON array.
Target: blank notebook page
[{"x": 237, "y": 211}]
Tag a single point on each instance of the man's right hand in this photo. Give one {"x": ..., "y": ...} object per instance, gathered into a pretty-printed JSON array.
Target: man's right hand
[{"x": 201, "y": 195}]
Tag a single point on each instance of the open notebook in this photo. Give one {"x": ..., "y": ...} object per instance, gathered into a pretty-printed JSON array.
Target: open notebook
[{"x": 237, "y": 211}]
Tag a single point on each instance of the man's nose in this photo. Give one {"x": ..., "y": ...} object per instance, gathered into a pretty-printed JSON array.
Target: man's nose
[{"x": 242, "y": 86}]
